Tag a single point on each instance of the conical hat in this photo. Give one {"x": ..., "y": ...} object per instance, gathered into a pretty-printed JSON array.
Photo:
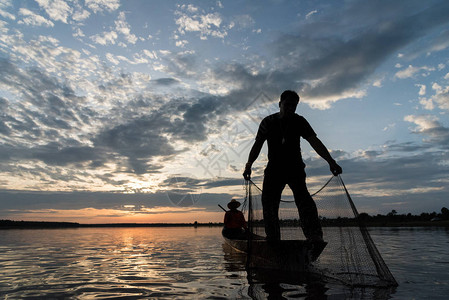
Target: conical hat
[{"x": 233, "y": 204}]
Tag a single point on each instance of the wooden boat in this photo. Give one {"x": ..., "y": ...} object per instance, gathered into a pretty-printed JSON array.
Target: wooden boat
[{"x": 288, "y": 255}]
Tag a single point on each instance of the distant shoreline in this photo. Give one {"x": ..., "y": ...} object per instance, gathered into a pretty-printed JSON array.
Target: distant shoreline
[{"x": 8, "y": 224}]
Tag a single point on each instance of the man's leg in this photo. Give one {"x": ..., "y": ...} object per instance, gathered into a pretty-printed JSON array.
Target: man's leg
[
  {"x": 271, "y": 197},
  {"x": 307, "y": 209}
]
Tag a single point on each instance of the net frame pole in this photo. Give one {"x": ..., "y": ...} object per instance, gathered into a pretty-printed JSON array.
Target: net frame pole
[{"x": 249, "y": 222}]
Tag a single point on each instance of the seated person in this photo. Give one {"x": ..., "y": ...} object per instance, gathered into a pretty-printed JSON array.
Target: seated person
[{"x": 234, "y": 222}]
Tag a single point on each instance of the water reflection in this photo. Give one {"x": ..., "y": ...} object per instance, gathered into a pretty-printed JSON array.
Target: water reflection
[
  {"x": 269, "y": 284},
  {"x": 188, "y": 263},
  {"x": 142, "y": 263},
  {"x": 233, "y": 260},
  {"x": 275, "y": 284},
  {"x": 272, "y": 284}
]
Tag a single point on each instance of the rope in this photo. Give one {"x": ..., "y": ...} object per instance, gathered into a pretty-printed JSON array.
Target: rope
[
  {"x": 252, "y": 182},
  {"x": 330, "y": 179},
  {"x": 287, "y": 201}
]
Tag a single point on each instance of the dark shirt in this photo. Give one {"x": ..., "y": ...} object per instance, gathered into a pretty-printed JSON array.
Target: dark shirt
[
  {"x": 283, "y": 138},
  {"x": 234, "y": 219}
]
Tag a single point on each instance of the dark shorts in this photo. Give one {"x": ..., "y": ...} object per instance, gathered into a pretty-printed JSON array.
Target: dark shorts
[{"x": 274, "y": 183}]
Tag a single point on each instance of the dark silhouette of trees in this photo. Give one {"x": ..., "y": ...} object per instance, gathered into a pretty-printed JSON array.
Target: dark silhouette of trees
[
  {"x": 394, "y": 217},
  {"x": 392, "y": 213},
  {"x": 445, "y": 213}
]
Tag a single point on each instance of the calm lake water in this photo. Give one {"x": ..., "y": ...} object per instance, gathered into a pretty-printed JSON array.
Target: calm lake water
[{"x": 193, "y": 263}]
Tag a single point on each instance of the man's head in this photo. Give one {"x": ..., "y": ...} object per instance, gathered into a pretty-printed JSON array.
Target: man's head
[
  {"x": 233, "y": 204},
  {"x": 288, "y": 102}
]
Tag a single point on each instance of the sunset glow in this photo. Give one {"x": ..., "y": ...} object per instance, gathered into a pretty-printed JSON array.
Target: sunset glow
[{"x": 145, "y": 111}]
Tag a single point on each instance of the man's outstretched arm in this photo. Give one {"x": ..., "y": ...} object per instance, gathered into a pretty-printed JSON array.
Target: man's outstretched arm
[
  {"x": 253, "y": 154},
  {"x": 319, "y": 147}
]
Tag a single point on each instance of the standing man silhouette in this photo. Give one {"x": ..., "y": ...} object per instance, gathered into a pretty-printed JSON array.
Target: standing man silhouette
[{"x": 283, "y": 131}]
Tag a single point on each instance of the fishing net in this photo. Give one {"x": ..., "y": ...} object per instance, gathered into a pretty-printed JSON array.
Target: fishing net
[{"x": 350, "y": 255}]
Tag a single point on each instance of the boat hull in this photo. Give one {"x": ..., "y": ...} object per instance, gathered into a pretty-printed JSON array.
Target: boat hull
[{"x": 288, "y": 255}]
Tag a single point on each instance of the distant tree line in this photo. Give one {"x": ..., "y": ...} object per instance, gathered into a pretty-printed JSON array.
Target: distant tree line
[
  {"x": 391, "y": 218},
  {"x": 10, "y": 224},
  {"x": 393, "y": 215}
]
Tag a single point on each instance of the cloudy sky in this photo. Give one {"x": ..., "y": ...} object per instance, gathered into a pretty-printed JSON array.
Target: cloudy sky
[{"x": 144, "y": 111}]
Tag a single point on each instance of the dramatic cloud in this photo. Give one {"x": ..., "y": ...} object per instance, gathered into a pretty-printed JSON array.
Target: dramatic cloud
[
  {"x": 410, "y": 71},
  {"x": 324, "y": 69},
  {"x": 414, "y": 181},
  {"x": 441, "y": 96},
  {"x": 123, "y": 27},
  {"x": 430, "y": 127},
  {"x": 32, "y": 19},
  {"x": 102, "y": 5},
  {"x": 100, "y": 98},
  {"x": 330, "y": 69},
  {"x": 3, "y": 6},
  {"x": 205, "y": 24},
  {"x": 58, "y": 10},
  {"x": 80, "y": 15},
  {"x": 105, "y": 38}
]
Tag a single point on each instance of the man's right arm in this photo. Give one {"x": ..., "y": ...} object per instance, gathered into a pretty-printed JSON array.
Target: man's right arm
[
  {"x": 319, "y": 147},
  {"x": 253, "y": 154}
]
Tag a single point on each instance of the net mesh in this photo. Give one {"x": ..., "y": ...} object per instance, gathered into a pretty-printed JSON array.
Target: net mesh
[{"x": 350, "y": 255}]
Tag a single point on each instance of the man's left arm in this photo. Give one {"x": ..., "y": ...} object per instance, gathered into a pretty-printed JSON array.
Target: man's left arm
[{"x": 322, "y": 151}]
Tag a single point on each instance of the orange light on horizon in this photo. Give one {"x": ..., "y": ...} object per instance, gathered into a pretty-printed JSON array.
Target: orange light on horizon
[{"x": 100, "y": 216}]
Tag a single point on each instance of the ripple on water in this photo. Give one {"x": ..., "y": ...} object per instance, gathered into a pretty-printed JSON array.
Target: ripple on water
[{"x": 167, "y": 263}]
